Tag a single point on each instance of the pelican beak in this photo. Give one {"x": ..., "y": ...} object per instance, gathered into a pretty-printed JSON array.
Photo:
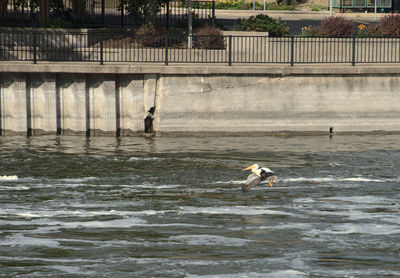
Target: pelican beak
[
  {"x": 271, "y": 181},
  {"x": 248, "y": 168}
]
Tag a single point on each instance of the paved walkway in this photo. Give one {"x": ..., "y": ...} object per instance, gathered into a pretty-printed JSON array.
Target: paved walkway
[
  {"x": 295, "y": 20},
  {"x": 297, "y": 15}
]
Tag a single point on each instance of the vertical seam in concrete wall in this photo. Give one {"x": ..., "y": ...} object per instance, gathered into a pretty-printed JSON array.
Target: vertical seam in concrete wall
[
  {"x": 155, "y": 89},
  {"x": 58, "y": 105},
  {"x": 28, "y": 105},
  {"x": 156, "y": 119},
  {"x": 1, "y": 105},
  {"x": 87, "y": 105},
  {"x": 117, "y": 106}
]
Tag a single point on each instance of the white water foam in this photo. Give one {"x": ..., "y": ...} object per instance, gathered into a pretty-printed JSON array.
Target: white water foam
[
  {"x": 118, "y": 223},
  {"x": 349, "y": 228},
  {"x": 15, "y": 188},
  {"x": 9, "y": 178},
  {"x": 368, "y": 199},
  {"x": 361, "y": 179},
  {"x": 155, "y": 186},
  {"x": 22, "y": 240},
  {"x": 78, "y": 213},
  {"x": 41, "y": 259},
  {"x": 137, "y": 158},
  {"x": 73, "y": 270},
  {"x": 239, "y": 210},
  {"x": 276, "y": 274},
  {"x": 312, "y": 180},
  {"x": 28, "y": 215},
  {"x": 334, "y": 179},
  {"x": 209, "y": 240}
]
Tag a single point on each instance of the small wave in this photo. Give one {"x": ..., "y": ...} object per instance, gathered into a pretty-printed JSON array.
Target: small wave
[
  {"x": 73, "y": 270},
  {"x": 312, "y": 180},
  {"x": 137, "y": 158},
  {"x": 155, "y": 186},
  {"x": 20, "y": 187},
  {"x": 229, "y": 182},
  {"x": 9, "y": 178},
  {"x": 21, "y": 240},
  {"x": 367, "y": 199},
  {"x": 28, "y": 215},
  {"x": 287, "y": 274},
  {"x": 335, "y": 164},
  {"x": 209, "y": 240},
  {"x": 333, "y": 179},
  {"x": 360, "y": 179},
  {"x": 372, "y": 229},
  {"x": 276, "y": 274},
  {"x": 239, "y": 210},
  {"x": 80, "y": 213},
  {"x": 79, "y": 180},
  {"x": 120, "y": 223}
]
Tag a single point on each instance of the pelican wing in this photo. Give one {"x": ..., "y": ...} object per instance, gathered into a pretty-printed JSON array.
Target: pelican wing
[{"x": 251, "y": 181}]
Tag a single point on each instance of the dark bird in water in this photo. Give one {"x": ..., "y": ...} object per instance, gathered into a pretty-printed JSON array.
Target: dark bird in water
[
  {"x": 331, "y": 132},
  {"x": 258, "y": 175}
]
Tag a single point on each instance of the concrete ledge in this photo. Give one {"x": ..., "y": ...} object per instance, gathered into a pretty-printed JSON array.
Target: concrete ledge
[
  {"x": 286, "y": 133},
  {"x": 203, "y": 69}
]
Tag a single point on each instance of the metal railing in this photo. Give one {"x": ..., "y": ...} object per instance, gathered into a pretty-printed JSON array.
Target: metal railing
[
  {"x": 119, "y": 46},
  {"x": 101, "y": 13}
]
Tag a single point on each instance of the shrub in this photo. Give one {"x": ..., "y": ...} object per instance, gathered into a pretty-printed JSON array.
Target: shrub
[
  {"x": 316, "y": 7},
  {"x": 58, "y": 22},
  {"x": 208, "y": 37},
  {"x": 262, "y": 23},
  {"x": 336, "y": 26},
  {"x": 232, "y": 5},
  {"x": 287, "y": 2},
  {"x": 278, "y": 7},
  {"x": 389, "y": 26},
  {"x": 373, "y": 30},
  {"x": 151, "y": 34}
]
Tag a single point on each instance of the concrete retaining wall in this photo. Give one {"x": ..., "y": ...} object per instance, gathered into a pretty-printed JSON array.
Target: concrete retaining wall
[
  {"x": 290, "y": 103},
  {"x": 115, "y": 101}
]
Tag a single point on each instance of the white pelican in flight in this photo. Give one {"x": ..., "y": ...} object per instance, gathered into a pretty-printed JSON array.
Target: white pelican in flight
[{"x": 258, "y": 175}]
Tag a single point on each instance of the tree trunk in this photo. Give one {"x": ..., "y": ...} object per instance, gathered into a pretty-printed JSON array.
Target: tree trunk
[
  {"x": 44, "y": 11},
  {"x": 3, "y": 8}
]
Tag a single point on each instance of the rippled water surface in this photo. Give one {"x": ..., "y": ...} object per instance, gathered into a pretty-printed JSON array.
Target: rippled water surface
[{"x": 172, "y": 207}]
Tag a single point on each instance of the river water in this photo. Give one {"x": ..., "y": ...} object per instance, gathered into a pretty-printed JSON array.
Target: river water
[{"x": 172, "y": 207}]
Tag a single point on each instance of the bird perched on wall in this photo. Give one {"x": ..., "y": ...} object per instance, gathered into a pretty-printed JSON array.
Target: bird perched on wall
[{"x": 258, "y": 175}]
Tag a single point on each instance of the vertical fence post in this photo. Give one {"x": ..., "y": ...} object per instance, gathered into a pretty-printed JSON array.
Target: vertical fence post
[
  {"x": 166, "y": 49},
  {"x": 167, "y": 15},
  {"x": 32, "y": 13},
  {"x": 292, "y": 51},
  {"x": 103, "y": 12},
  {"x": 122, "y": 13},
  {"x": 83, "y": 13},
  {"x": 101, "y": 50},
  {"x": 213, "y": 13},
  {"x": 230, "y": 50},
  {"x": 353, "y": 51},
  {"x": 34, "y": 47}
]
